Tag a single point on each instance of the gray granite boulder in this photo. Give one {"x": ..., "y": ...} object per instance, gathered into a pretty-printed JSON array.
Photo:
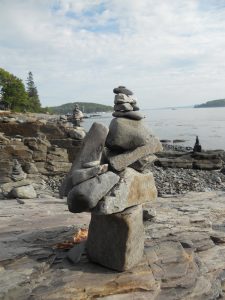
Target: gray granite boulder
[
  {"x": 117, "y": 241},
  {"x": 133, "y": 115},
  {"x": 133, "y": 188},
  {"x": 122, "y": 90},
  {"x": 91, "y": 151},
  {"x": 81, "y": 175},
  {"x": 86, "y": 195},
  {"x": 127, "y": 134},
  {"x": 120, "y": 161}
]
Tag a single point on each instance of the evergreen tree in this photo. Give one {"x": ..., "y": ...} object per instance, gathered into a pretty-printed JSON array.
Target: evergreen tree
[
  {"x": 34, "y": 102},
  {"x": 13, "y": 91}
]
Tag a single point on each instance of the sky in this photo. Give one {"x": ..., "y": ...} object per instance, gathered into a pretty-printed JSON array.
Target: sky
[{"x": 168, "y": 52}]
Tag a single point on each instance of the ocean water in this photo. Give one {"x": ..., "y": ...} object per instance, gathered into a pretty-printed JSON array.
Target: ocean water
[{"x": 181, "y": 123}]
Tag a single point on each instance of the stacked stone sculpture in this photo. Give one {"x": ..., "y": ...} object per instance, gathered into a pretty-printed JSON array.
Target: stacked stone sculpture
[{"x": 113, "y": 182}]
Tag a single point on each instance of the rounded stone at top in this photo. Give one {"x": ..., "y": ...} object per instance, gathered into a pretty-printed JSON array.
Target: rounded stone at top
[{"x": 122, "y": 90}]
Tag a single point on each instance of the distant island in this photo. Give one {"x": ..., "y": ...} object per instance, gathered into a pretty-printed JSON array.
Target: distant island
[
  {"x": 86, "y": 107},
  {"x": 212, "y": 103}
]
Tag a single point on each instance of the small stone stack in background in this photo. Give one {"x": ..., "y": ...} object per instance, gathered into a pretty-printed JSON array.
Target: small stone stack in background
[{"x": 108, "y": 182}]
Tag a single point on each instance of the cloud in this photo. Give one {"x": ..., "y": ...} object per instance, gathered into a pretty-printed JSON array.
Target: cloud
[{"x": 168, "y": 52}]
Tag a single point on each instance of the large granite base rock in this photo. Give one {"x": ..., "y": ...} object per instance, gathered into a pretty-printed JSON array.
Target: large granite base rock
[
  {"x": 134, "y": 188},
  {"x": 117, "y": 241},
  {"x": 127, "y": 134}
]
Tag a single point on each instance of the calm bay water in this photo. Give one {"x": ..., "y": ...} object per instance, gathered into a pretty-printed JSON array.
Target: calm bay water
[{"x": 182, "y": 123}]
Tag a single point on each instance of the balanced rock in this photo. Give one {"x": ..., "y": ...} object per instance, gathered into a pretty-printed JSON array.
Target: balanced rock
[
  {"x": 122, "y": 245},
  {"x": 17, "y": 171},
  {"x": 122, "y": 90},
  {"x": 123, "y": 107},
  {"x": 133, "y": 115},
  {"x": 86, "y": 195},
  {"x": 127, "y": 134},
  {"x": 91, "y": 151},
  {"x": 133, "y": 188},
  {"x": 81, "y": 175},
  {"x": 120, "y": 161},
  {"x": 144, "y": 162}
]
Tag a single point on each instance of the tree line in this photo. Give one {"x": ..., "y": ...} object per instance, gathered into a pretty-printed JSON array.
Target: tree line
[{"x": 16, "y": 96}]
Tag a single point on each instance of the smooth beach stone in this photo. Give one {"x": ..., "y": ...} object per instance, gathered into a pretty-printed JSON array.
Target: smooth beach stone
[
  {"x": 134, "y": 115},
  {"x": 81, "y": 175},
  {"x": 122, "y": 98},
  {"x": 117, "y": 241},
  {"x": 120, "y": 161},
  {"x": 127, "y": 134},
  {"x": 134, "y": 188},
  {"x": 123, "y": 107},
  {"x": 122, "y": 90},
  {"x": 93, "y": 146},
  {"x": 86, "y": 195}
]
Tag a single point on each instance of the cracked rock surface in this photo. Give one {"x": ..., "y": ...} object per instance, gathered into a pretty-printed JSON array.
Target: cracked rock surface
[{"x": 184, "y": 252}]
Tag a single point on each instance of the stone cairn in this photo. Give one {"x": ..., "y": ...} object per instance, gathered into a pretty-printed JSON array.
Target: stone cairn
[
  {"x": 77, "y": 132},
  {"x": 110, "y": 179}
]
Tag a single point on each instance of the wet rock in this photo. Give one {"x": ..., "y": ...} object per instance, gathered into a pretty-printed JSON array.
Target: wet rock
[
  {"x": 122, "y": 247},
  {"x": 86, "y": 195},
  {"x": 133, "y": 189}
]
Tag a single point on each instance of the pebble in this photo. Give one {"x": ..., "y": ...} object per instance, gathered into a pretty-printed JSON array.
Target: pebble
[{"x": 180, "y": 181}]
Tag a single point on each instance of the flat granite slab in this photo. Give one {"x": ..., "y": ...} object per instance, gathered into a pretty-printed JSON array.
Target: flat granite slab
[{"x": 184, "y": 252}]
